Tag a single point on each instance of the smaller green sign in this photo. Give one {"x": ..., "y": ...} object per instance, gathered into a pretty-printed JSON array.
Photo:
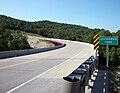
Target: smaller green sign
[{"x": 108, "y": 40}]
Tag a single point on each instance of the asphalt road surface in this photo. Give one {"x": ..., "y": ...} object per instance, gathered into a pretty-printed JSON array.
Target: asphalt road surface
[{"x": 42, "y": 72}]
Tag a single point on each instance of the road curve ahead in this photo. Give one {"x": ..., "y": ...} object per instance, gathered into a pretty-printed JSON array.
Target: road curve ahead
[{"x": 42, "y": 72}]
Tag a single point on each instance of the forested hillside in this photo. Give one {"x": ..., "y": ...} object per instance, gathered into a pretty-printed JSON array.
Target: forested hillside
[
  {"x": 50, "y": 29},
  {"x": 10, "y": 36}
]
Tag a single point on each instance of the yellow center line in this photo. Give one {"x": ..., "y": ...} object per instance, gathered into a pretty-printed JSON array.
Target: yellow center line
[
  {"x": 26, "y": 62},
  {"x": 9, "y": 66}
]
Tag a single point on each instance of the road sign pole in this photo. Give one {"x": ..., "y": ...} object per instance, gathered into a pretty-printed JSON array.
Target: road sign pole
[
  {"x": 108, "y": 40},
  {"x": 97, "y": 58},
  {"x": 107, "y": 54}
]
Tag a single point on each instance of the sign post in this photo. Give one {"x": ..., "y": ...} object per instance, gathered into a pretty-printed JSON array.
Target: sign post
[
  {"x": 107, "y": 54},
  {"x": 108, "y": 40}
]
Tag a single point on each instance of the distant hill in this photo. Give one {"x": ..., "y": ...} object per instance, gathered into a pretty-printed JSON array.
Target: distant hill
[
  {"x": 11, "y": 38},
  {"x": 50, "y": 29}
]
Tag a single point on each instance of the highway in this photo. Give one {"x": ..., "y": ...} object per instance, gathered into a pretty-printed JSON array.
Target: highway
[{"x": 42, "y": 72}]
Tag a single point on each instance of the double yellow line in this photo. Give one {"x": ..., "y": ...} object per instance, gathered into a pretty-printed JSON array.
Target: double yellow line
[{"x": 26, "y": 62}]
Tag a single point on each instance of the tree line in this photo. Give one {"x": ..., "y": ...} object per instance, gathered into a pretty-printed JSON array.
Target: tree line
[{"x": 58, "y": 30}]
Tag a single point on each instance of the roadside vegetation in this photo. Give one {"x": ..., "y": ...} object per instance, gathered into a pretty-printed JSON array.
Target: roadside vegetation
[
  {"x": 12, "y": 40},
  {"x": 114, "y": 51},
  {"x": 114, "y": 81},
  {"x": 13, "y": 37},
  {"x": 10, "y": 28}
]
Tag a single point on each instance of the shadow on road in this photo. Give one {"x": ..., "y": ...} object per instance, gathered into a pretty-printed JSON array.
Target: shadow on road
[{"x": 100, "y": 84}]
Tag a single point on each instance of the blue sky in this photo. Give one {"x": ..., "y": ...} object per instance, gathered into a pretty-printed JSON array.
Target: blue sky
[{"x": 91, "y": 13}]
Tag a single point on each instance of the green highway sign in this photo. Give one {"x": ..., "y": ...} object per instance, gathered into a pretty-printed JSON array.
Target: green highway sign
[{"x": 108, "y": 40}]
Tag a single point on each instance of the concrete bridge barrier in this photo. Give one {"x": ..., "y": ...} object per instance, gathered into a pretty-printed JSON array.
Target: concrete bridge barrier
[
  {"x": 14, "y": 53},
  {"x": 79, "y": 78}
]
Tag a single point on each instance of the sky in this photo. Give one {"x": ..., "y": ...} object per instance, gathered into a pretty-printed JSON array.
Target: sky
[{"x": 103, "y": 14}]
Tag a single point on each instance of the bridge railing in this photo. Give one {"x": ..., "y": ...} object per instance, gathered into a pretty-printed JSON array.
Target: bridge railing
[
  {"x": 14, "y": 53},
  {"x": 76, "y": 81}
]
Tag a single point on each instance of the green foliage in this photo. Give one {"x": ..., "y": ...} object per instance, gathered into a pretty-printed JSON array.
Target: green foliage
[
  {"x": 113, "y": 56},
  {"x": 114, "y": 82},
  {"x": 118, "y": 53},
  {"x": 50, "y": 29},
  {"x": 14, "y": 40},
  {"x": 10, "y": 40},
  {"x": 114, "y": 51}
]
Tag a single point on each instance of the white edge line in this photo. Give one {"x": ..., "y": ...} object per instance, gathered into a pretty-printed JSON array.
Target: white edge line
[
  {"x": 20, "y": 85},
  {"x": 104, "y": 77},
  {"x": 104, "y": 90},
  {"x": 15, "y": 88}
]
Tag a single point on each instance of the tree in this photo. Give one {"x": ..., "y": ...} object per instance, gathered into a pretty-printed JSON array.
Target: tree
[
  {"x": 10, "y": 37},
  {"x": 113, "y": 56},
  {"x": 10, "y": 40}
]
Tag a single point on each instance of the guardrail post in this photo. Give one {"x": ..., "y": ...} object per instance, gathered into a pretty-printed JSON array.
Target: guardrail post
[{"x": 79, "y": 78}]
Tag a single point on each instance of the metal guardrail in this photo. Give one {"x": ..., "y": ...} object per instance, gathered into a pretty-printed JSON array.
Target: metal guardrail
[
  {"x": 76, "y": 81},
  {"x": 7, "y": 54}
]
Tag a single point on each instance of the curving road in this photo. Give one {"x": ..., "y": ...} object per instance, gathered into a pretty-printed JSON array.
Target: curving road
[{"x": 42, "y": 72}]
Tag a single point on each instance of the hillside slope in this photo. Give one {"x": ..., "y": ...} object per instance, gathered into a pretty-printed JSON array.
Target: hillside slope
[
  {"x": 53, "y": 30},
  {"x": 50, "y": 29},
  {"x": 36, "y": 42}
]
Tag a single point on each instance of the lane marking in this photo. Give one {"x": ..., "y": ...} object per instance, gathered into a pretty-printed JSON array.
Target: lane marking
[
  {"x": 104, "y": 90},
  {"x": 41, "y": 74},
  {"x": 105, "y": 73},
  {"x": 26, "y": 62},
  {"x": 104, "y": 83},
  {"x": 104, "y": 77},
  {"x": 20, "y": 85},
  {"x": 13, "y": 65},
  {"x": 31, "y": 55}
]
